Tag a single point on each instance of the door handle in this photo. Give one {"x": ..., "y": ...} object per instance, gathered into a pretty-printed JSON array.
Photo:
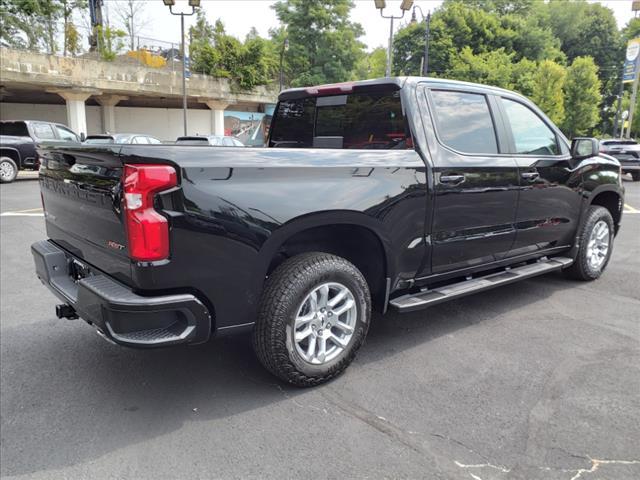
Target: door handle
[
  {"x": 530, "y": 175},
  {"x": 451, "y": 178}
]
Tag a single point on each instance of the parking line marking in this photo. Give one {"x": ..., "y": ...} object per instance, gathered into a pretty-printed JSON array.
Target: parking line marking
[
  {"x": 629, "y": 209},
  {"x": 22, "y": 214}
]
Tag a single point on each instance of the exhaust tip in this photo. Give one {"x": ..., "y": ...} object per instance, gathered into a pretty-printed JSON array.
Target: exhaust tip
[{"x": 66, "y": 311}]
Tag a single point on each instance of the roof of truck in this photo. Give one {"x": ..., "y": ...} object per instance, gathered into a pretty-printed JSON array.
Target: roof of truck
[{"x": 398, "y": 82}]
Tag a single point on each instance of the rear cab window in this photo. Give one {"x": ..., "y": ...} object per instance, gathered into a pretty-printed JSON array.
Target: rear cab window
[
  {"x": 14, "y": 129},
  {"x": 359, "y": 120}
]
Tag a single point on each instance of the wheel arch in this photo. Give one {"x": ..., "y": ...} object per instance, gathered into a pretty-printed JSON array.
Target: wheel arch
[
  {"x": 354, "y": 236},
  {"x": 12, "y": 153},
  {"x": 609, "y": 197}
]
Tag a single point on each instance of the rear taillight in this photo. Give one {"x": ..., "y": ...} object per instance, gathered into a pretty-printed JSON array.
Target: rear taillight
[{"x": 147, "y": 230}]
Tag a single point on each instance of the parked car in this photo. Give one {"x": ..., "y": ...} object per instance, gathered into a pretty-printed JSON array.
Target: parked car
[
  {"x": 627, "y": 151},
  {"x": 18, "y": 140},
  {"x": 395, "y": 193},
  {"x": 215, "y": 140},
  {"x": 125, "y": 138}
]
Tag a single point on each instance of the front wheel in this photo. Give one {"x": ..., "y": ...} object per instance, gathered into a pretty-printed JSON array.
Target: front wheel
[
  {"x": 596, "y": 245},
  {"x": 8, "y": 170},
  {"x": 314, "y": 315}
]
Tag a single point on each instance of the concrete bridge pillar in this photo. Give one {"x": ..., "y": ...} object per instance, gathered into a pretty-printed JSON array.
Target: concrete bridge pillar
[
  {"x": 108, "y": 107},
  {"x": 217, "y": 115},
  {"x": 76, "y": 113}
]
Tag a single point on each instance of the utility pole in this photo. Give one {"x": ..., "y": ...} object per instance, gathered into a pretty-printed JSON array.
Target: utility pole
[
  {"x": 193, "y": 4},
  {"x": 404, "y": 6},
  {"x": 424, "y": 65}
]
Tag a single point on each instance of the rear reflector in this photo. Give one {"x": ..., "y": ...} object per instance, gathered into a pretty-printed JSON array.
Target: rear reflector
[{"x": 147, "y": 230}]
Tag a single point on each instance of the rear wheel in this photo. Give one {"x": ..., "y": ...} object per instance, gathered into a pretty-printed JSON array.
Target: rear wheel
[
  {"x": 314, "y": 316},
  {"x": 8, "y": 170},
  {"x": 635, "y": 176},
  {"x": 596, "y": 245}
]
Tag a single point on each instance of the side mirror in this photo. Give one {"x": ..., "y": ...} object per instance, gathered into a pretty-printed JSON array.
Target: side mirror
[
  {"x": 583, "y": 147},
  {"x": 83, "y": 137}
]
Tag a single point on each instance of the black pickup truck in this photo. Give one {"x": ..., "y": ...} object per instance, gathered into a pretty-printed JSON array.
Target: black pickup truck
[
  {"x": 18, "y": 140},
  {"x": 396, "y": 193}
]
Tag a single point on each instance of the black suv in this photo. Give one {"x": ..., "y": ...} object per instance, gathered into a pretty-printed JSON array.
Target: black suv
[
  {"x": 626, "y": 151},
  {"x": 18, "y": 140}
]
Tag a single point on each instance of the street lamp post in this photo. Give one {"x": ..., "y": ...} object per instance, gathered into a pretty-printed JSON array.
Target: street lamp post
[
  {"x": 427, "y": 20},
  {"x": 285, "y": 47},
  {"x": 404, "y": 6},
  {"x": 193, "y": 4}
]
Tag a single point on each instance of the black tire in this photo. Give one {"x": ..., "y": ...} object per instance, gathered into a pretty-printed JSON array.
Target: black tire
[
  {"x": 635, "y": 176},
  {"x": 12, "y": 166},
  {"x": 285, "y": 290},
  {"x": 581, "y": 269}
]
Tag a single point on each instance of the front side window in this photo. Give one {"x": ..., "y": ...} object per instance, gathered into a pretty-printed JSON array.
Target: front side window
[
  {"x": 43, "y": 131},
  {"x": 531, "y": 135},
  {"x": 66, "y": 134},
  {"x": 373, "y": 120},
  {"x": 464, "y": 121}
]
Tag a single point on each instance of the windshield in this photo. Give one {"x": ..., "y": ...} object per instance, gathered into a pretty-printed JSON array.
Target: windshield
[
  {"x": 355, "y": 121},
  {"x": 15, "y": 129}
]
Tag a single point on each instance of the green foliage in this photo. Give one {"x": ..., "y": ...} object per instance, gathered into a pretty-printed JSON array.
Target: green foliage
[
  {"x": 581, "y": 97},
  {"x": 71, "y": 39},
  {"x": 371, "y": 65},
  {"x": 547, "y": 92},
  {"x": 30, "y": 23},
  {"x": 324, "y": 46},
  {"x": 110, "y": 42},
  {"x": 214, "y": 52}
]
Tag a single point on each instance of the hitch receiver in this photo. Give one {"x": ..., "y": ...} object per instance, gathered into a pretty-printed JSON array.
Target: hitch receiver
[{"x": 66, "y": 311}]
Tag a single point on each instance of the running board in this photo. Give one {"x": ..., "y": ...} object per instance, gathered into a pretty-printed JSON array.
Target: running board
[{"x": 426, "y": 298}]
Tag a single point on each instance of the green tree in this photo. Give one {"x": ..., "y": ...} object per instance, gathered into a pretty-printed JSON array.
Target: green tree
[
  {"x": 30, "y": 23},
  {"x": 71, "y": 40},
  {"x": 371, "y": 65},
  {"x": 215, "y": 53},
  {"x": 490, "y": 68},
  {"x": 581, "y": 97},
  {"x": 323, "y": 43},
  {"x": 548, "y": 91},
  {"x": 110, "y": 42}
]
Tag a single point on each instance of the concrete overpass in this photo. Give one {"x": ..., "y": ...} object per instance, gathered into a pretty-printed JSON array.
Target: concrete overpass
[{"x": 118, "y": 96}]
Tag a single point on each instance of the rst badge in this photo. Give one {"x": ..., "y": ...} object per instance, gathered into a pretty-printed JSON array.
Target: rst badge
[{"x": 115, "y": 245}]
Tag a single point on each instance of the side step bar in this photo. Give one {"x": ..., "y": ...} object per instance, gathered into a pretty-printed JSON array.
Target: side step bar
[{"x": 426, "y": 298}]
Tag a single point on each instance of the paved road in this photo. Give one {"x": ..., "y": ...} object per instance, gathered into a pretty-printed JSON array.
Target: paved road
[{"x": 538, "y": 380}]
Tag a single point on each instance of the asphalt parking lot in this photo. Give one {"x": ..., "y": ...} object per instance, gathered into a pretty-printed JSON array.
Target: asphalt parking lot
[{"x": 537, "y": 380}]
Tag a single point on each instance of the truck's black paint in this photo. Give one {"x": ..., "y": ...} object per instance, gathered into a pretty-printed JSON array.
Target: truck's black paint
[{"x": 237, "y": 213}]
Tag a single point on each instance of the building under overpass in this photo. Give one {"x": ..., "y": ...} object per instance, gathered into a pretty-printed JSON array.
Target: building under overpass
[{"x": 93, "y": 96}]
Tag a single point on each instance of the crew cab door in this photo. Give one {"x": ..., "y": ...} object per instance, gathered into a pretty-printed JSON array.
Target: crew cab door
[
  {"x": 549, "y": 201},
  {"x": 475, "y": 181}
]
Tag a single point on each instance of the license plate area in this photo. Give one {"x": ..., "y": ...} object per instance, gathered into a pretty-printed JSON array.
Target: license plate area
[{"x": 78, "y": 270}]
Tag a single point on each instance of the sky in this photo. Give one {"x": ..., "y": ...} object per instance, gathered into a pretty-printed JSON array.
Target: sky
[{"x": 239, "y": 16}]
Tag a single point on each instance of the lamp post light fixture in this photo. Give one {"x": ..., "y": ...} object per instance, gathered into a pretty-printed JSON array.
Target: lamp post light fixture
[
  {"x": 193, "y": 4},
  {"x": 427, "y": 20},
  {"x": 285, "y": 47},
  {"x": 381, "y": 5}
]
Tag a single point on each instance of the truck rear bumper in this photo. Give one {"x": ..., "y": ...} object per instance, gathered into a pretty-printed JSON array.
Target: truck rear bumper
[{"x": 116, "y": 311}]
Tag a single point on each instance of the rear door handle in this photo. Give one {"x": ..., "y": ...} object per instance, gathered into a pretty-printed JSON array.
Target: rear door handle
[
  {"x": 530, "y": 175},
  {"x": 451, "y": 178}
]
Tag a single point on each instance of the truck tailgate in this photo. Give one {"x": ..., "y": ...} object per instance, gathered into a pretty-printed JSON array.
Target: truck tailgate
[{"x": 82, "y": 196}]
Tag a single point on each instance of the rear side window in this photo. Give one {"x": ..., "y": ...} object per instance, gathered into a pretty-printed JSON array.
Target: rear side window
[
  {"x": 66, "y": 134},
  {"x": 43, "y": 131},
  {"x": 14, "y": 129},
  {"x": 464, "y": 121},
  {"x": 531, "y": 135},
  {"x": 355, "y": 121}
]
